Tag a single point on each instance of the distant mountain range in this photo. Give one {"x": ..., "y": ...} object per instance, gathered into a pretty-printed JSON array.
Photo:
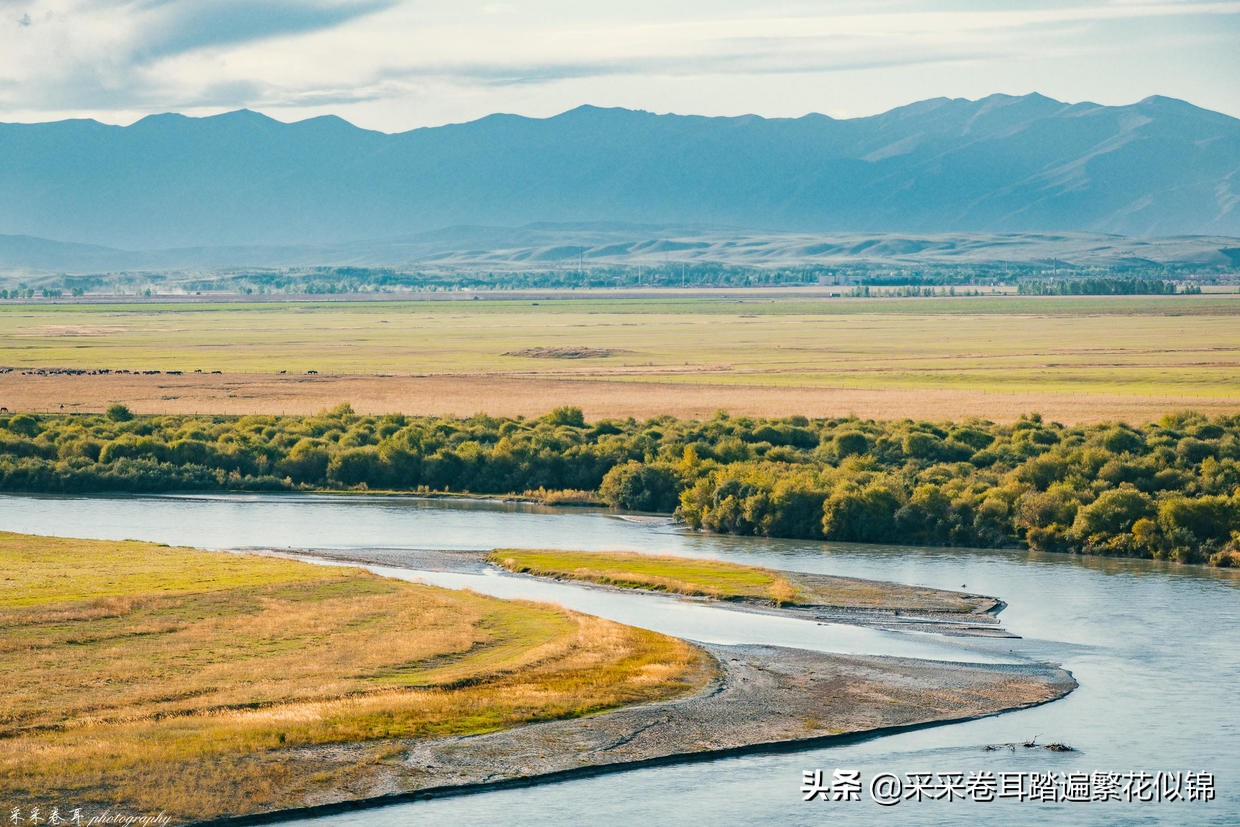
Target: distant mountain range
[
  {"x": 551, "y": 247},
  {"x": 1003, "y": 164}
]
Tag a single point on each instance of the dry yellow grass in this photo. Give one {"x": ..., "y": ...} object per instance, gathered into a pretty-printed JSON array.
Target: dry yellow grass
[
  {"x": 201, "y": 698},
  {"x": 465, "y": 395},
  {"x": 1074, "y": 359}
]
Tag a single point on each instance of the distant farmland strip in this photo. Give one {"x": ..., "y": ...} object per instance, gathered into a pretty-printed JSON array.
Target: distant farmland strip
[{"x": 1071, "y": 358}]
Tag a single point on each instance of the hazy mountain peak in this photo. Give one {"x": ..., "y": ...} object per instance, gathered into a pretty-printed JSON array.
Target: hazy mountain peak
[
  {"x": 589, "y": 111},
  {"x": 1163, "y": 100},
  {"x": 334, "y": 120},
  {"x": 1033, "y": 101},
  {"x": 161, "y": 119},
  {"x": 331, "y": 125},
  {"x": 921, "y": 107},
  {"x": 1172, "y": 107},
  {"x": 245, "y": 118},
  {"x": 1030, "y": 97}
]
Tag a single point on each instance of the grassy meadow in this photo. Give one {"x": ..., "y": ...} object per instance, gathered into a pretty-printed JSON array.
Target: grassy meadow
[
  {"x": 1164, "y": 346},
  {"x": 201, "y": 684}
]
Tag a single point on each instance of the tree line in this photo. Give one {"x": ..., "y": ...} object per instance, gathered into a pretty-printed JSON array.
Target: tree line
[
  {"x": 1031, "y": 278},
  {"x": 1169, "y": 490},
  {"x": 1104, "y": 287}
]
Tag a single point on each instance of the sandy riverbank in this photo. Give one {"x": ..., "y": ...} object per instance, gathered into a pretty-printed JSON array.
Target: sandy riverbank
[{"x": 763, "y": 699}]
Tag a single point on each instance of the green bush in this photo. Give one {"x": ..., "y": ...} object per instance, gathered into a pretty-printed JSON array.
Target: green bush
[
  {"x": 639, "y": 487},
  {"x": 119, "y": 413}
]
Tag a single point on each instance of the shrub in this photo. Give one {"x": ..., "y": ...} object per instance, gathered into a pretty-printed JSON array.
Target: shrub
[
  {"x": 119, "y": 413},
  {"x": 1114, "y": 512},
  {"x": 850, "y": 443},
  {"x": 639, "y": 487}
]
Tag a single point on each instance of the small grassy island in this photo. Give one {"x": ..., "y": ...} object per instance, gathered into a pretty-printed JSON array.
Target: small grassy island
[
  {"x": 207, "y": 683},
  {"x": 735, "y": 582},
  {"x": 678, "y": 575}
]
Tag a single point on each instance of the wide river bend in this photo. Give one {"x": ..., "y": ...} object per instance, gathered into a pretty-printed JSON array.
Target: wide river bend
[{"x": 1154, "y": 646}]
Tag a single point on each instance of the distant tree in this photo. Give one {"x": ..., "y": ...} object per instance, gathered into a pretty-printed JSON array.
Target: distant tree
[
  {"x": 641, "y": 487},
  {"x": 23, "y": 424},
  {"x": 860, "y": 515},
  {"x": 1114, "y": 512},
  {"x": 849, "y": 443},
  {"x": 119, "y": 413},
  {"x": 567, "y": 415}
]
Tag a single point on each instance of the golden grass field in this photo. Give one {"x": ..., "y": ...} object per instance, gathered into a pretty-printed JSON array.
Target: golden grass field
[
  {"x": 1075, "y": 359},
  {"x": 199, "y": 683}
]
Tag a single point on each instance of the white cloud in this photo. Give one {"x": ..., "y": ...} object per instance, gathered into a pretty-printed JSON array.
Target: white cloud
[{"x": 399, "y": 63}]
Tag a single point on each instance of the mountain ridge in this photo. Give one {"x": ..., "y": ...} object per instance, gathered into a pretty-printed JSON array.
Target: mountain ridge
[
  {"x": 542, "y": 247},
  {"x": 999, "y": 164}
]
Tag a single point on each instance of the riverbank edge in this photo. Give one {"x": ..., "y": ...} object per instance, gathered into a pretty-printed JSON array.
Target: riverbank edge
[
  {"x": 1229, "y": 562},
  {"x": 1057, "y": 682},
  {"x": 597, "y": 770}
]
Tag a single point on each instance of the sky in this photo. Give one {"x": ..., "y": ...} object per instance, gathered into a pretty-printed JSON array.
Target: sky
[{"x": 394, "y": 65}]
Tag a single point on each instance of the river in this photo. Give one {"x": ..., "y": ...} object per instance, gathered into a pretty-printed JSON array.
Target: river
[{"x": 1154, "y": 647}]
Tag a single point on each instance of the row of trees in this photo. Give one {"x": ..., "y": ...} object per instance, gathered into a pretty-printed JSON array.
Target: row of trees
[
  {"x": 1169, "y": 490},
  {"x": 570, "y": 271},
  {"x": 1102, "y": 287}
]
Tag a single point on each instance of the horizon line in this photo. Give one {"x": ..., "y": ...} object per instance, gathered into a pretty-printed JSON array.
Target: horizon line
[{"x": 588, "y": 106}]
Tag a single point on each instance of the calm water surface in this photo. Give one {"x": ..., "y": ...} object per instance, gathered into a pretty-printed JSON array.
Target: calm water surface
[{"x": 1155, "y": 648}]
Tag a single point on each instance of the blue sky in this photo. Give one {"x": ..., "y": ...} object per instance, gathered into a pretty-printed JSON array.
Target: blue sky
[{"x": 399, "y": 64}]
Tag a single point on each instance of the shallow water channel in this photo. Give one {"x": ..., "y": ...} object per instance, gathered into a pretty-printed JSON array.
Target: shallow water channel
[{"x": 1156, "y": 649}]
